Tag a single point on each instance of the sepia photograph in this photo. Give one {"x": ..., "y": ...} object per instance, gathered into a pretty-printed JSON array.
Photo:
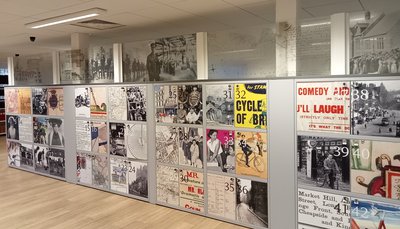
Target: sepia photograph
[
  {"x": 190, "y": 104},
  {"x": 24, "y": 101},
  {"x": 191, "y": 146},
  {"x": 57, "y": 162},
  {"x": 12, "y": 127}
]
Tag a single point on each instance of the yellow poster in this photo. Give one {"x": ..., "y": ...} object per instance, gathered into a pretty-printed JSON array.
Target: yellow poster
[
  {"x": 251, "y": 105},
  {"x": 24, "y": 101}
]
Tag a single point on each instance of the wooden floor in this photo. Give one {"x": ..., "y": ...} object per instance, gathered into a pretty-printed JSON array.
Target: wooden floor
[{"x": 32, "y": 201}]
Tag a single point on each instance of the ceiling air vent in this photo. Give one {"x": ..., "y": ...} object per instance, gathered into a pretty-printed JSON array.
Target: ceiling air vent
[{"x": 98, "y": 24}]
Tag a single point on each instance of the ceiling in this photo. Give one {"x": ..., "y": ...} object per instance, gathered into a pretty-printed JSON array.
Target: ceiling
[{"x": 147, "y": 19}]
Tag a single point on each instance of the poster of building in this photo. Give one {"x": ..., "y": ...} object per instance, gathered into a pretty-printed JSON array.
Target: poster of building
[
  {"x": 82, "y": 102},
  {"x": 101, "y": 66},
  {"x": 220, "y": 105},
  {"x": 251, "y": 153},
  {"x": 323, "y": 162},
  {"x": 12, "y": 127},
  {"x": 323, "y": 210},
  {"x": 25, "y": 128},
  {"x": 167, "y": 185},
  {"x": 83, "y": 135},
  {"x": 167, "y": 144},
  {"x": 42, "y": 157},
  {"x": 100, "y": 172},
  {"x": 119, "y": 175},
  {"x": 190, "y": 146},
  {"x": 99, "y": 137},
  {"x": 117, "y": 103},
  {"x": 26, "y": 153},
  {"x": 251, "y": 105},
  {"x": 84, "y": 168},
  {"x": 136, "y": 141},
  {"x": 13, "y": 149},
  {"x": 323, "y": 107},
  {"x": 117, "y": 139},
  {"x": 55, "y": 101},
  {"x": 98, "y": 102},
  {"x": 221, "y": 196},
  {"x": 137, "y": 179},
  {"x": 57, "y": 162},
  {"x": 252, "y": 202},
  {"x": 39, "y": 101},
  {"x": 55, "y": 132},
  {"x": 166, "y": 99},
  {"x": 376, "y": 108},
  {"x": 221, "y": 150},
  {"x": 190, "y": 104},
  {"x": 11, "y": 100},
  {"x": 136, "y": 103},
  {"x": 40, "y": 126},
  {"x": 370, "y": 215},
  {"x": 24, "y": 101},
  {"x": 191, "y": 187},
  {"x": 371, "y": 162}
]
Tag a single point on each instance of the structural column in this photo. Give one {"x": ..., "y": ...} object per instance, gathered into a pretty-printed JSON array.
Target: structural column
[
  {"x": 117, "y": 57},
  {"x": 340, "y": 49},
  {"x": 202, "y": 56},
  {"x": 10, "y": 63}
]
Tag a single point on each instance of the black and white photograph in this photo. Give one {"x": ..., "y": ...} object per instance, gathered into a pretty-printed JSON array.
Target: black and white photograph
[
  {"x": 376, "y": 108},
  {"x": 12, "y": 127},
  {"x": 323, "y": 162},
  {"x": 42, "y": 158},
  {"x": 136, "y": 98},
  {"x": 119, "y": 175},
  {"x": 57, "y": 162},
  {"x": 84, "y": 168},
  {"x": 101, "y": 66},
  {"x": 137, "y": 179},
  {"x": 168, "y": 185},
  {"x": 26, "y": 152},
  {"x": 191, "y": 146},
  {"x": 252, "y": 202},
  {"x": 99, "y": 137},
  {"x": 167, "y": 144},
  {"x": 190, "y": 104},
  {"x": 25, "y": 128},
  {"x": 117, "y": 103},
  {"x": 40, "y": 126},
  {"x": 13, "y": 149},
  {"x": 117, "y": 139},
  {"x": 55, "y": 132},
  {"x": 134, "y": 58},
  {"x": 221, "y": 154},
  {"x": 39, "y": 101},
  {"x": 74, "y": 66},
  {"x": 166, "y": 97},
  {"x": 82, "y": 102},
  {"x": 100, "y": 172},
  {"x": 136, "y": 141},
  {"x": 219, "y": 105}
]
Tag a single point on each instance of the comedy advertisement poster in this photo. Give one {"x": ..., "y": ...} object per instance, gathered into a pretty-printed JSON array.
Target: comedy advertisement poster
[{"x": 323, "y": 107}]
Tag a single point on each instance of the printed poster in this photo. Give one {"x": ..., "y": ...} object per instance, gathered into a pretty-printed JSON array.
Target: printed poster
[
  {"x": 190, "y": 146},
  {"x": 167, "y": 144},
  {"x": 12, "y": 127},
  {"x": 13, "y": 149},
  {"x": 323, "y": 107},
  {"x": 166, "y": 99},
  {"x": 191, "y": 190},
  {"x": 119, "y": 175},
  {"x": 98, "y": 102},
  {"x": 100, "y": 172},
  {"x": 251, "y": 153},
  {"x": 83, "y": 135},
  {"x": 42, "y": 157},
  {"x": 26, "y": 152},
  {"x": 55, "y": 132},
  {"x": 99, "y": 137},
  {"x": 393, "y": 185},
  {"x": 137, "y": 179},
  {"x": 367, "y": 214},
  {"x": 117, "y": 139},
  {"x": 137, "y": 104},
  {"x": 220, "y": 105},
  {"x": 57, "y": 162},
  {"x": 55, "y": 101},
  {"x": 25, "y": 128},
  {"x": 84, "y": 168},
  {"x": 117, "y": 102},
  {"x": 39, "y": 101},
  {"x": 167, "y": 185},
  {"x": 251, "y": 105},
  {"x": 221, "y": 150},
  {"x": 323, "y": 209},
  {"x": 24, "y": 101},
  {"x": 221, "y": 196},
  {"x": 136, "y": 141},
  {"x": 40, "y": 130},
  {"x": 11, "y": 100},
  {"x": 82, "y": 102},
  {"x": 190, "y": 104}
]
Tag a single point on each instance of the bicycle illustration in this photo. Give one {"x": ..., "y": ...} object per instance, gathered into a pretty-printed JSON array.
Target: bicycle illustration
[
  {"x": 323, "y": 178},
  {"x": 258, "y": 161}
]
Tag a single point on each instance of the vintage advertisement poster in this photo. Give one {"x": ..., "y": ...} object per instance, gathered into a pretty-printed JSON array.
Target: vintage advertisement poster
[
  {"x": 42, "y": 157},
  {"x": 99, "y": 137},
  {"x": 40, "y": 131},
  {"x": 55, "y": 101},
  {"x": 119, "y": 175},
  {"x": 57, "y": 162},
  {"x": 191, "y": 187},
  {"x": 82, "y": 102},
  {"x": 374, "y": 215},
  {"x": 137, "y": 179},
  {"x": 12, "y": 127},
  {"x": 371, "y": 162},
  {"x": 221, "y": 196},
  {"x": 166, "y": 99},
  {"x": 136, "y": 141},
  {"x": 98, "y": 102},
  {"x": 323, "y": 107},
  {"x": 220, "y": 105},
  {"x": 167, "y": 144},
  {"x": 84, "y": 168},
  {"x": 25, "y": 128},
  {"x": 191, "y": 146},
  {"x": 55, "y": 132},
  {"x": 376, "y": 110},
  {"x": 11, "y": 100},
  {"x": 26, "y": 153},
  {"x": 167, "y": 185},
  {"x": 117, "y": 139},
  {"x": 117, "y": 103},
  {"x": 251, "y": 154},
  {"x": 252, "y": 202},
  {"x": 39, "y": 101},
  {"x": 221, "y": 154},
  {"x": 136, "y": 103},
  {"x": 251, "y": 105},
  {"x": 83, "y": 135},
  {"x": 13, "y": 149},
  {"x": 393, "y": 185},
  {"x": 323, "y": 162},
  {"x": 100, "y": 172},
  {"x": 323, "y": 210},
  {"x": 190, "y": 104},
  {"x": 24, "y": 101}
]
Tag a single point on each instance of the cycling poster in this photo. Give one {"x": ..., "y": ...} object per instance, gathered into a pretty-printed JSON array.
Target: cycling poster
[{"x": 82, "y": 102}]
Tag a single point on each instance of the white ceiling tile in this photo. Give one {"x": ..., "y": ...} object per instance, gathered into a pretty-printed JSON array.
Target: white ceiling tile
[
  {"x": 201, "y": 7},
  {"x": 327, "y": 10},
  {"x": 128, "y": 19},
  {"x": 163, "y": 13}
]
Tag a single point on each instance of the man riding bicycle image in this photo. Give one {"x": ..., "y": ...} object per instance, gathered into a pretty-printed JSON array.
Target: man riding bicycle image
[{"x": 331, "y": 167}]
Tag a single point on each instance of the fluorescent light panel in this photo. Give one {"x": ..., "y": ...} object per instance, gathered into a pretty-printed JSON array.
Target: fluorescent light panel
[{"x": 66, "y": 18}]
